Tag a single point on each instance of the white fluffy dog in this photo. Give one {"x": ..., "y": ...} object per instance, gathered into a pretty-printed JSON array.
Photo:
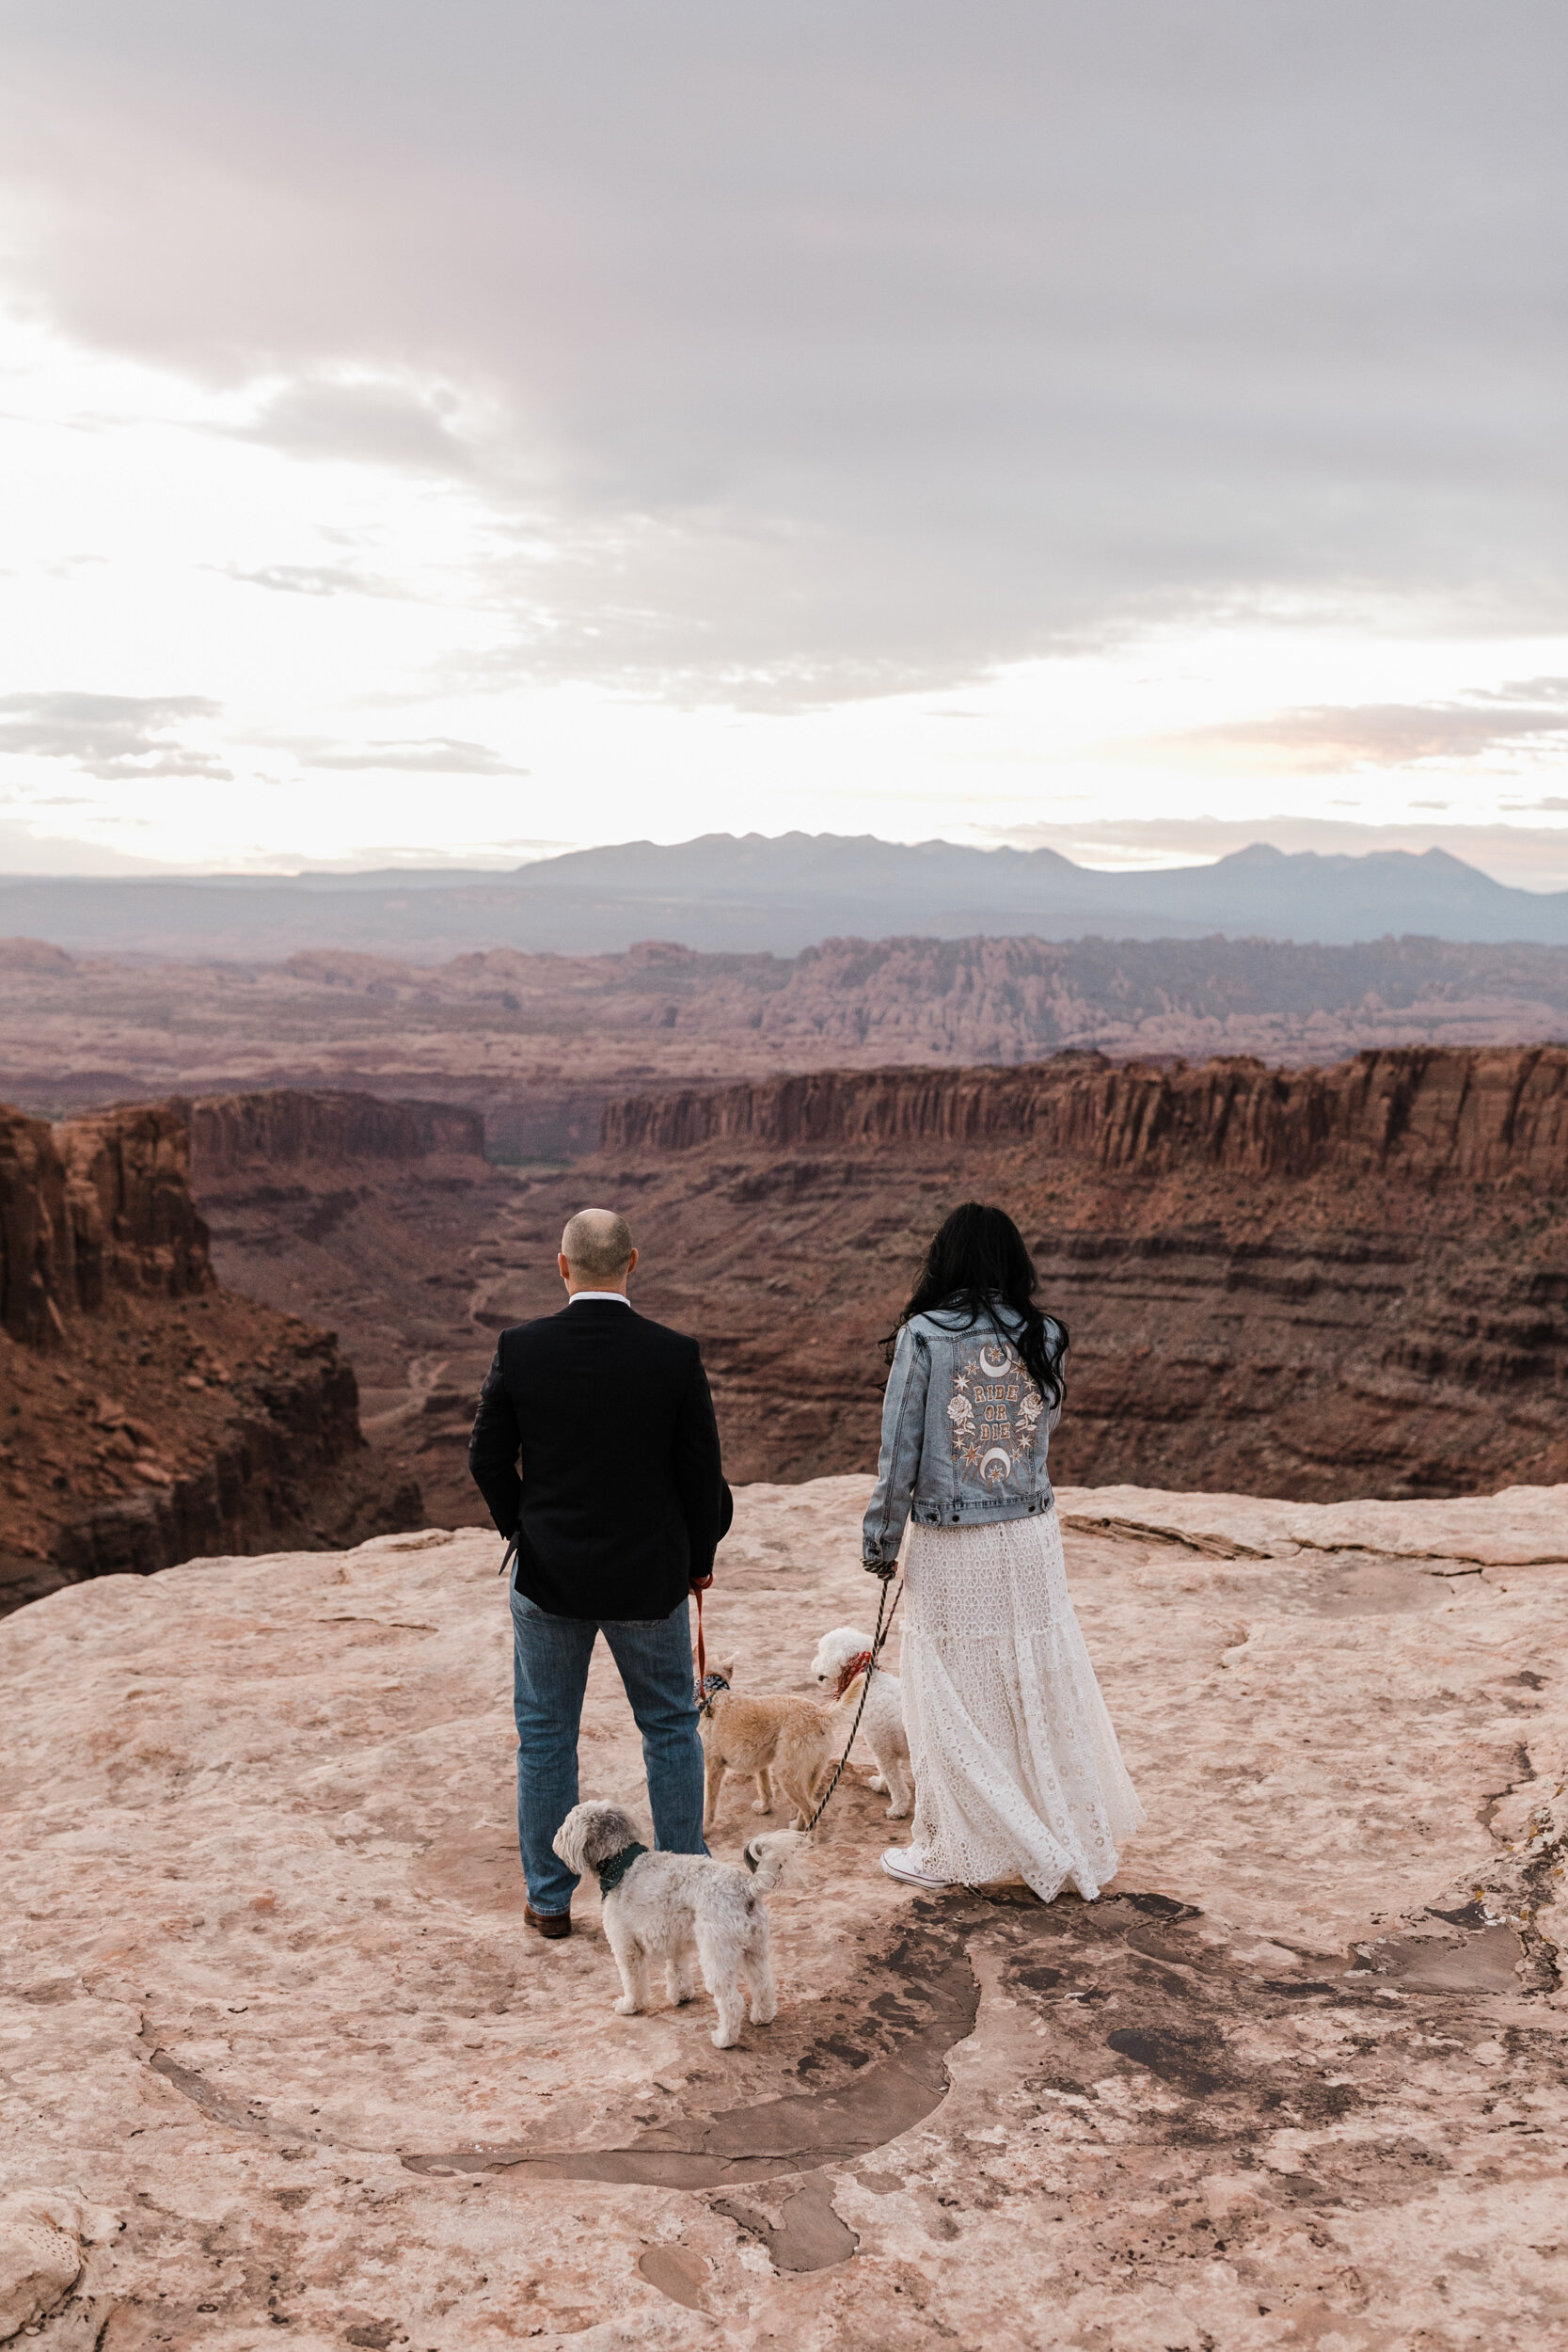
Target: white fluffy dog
[
  {"x": 839, "y": 1660},
  {"x": 676, "y": 1907}
]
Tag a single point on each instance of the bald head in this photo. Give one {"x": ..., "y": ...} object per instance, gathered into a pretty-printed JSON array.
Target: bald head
[{"x": 597, "y": 1249}]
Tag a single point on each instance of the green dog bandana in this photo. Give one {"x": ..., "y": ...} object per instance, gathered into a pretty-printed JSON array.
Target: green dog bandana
[{"x": 610, "y": 1873}]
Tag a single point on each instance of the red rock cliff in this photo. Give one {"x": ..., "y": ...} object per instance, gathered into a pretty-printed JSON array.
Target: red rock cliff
[
  {"x": 1314, "y": 1283},
  {"x": 97, "y": 1204},
  {"x": 149, "y": 1415},
  {"x": 240, "y": 1134},
  {"x": 1422, "y": 1113}
]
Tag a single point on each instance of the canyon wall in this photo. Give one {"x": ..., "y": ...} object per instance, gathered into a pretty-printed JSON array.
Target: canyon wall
[
  {"x": 147, "y": 1414},
  {"x": 281, "y": 1127},
  {"x": 366, "y": 1214},
  {"x": 100, "y": 1203},
  {"x": 1319, "y": 1284},
  {"x": 1316, "y": 1284},
  {"x": 1422, "y": 1113}
]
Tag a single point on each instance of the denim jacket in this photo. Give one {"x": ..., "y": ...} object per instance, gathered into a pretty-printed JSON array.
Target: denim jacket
[{"x": 964, "y": 1431}]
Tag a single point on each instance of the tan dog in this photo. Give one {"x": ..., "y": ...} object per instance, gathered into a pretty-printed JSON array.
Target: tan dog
[{"x": 787, "y": 1737}]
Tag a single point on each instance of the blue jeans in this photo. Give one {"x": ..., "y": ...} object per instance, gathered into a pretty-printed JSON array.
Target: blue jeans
[{"x": 549, "y": 1675}]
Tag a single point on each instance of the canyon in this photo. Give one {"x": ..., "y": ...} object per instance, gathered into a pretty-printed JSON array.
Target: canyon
[
  {"x": 150, "y": 1413},
  {"x": 373, "y": 1218},
  {"x": 1313, "y": 1283},
  {"x": 1310, "y": 1283}
]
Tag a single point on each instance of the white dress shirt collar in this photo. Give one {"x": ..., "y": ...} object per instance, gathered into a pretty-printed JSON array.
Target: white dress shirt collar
[{"x": 578, "y": 1296}]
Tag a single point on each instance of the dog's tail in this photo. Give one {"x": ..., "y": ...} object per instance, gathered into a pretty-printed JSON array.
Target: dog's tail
[{"x": 769, "y": 1856}]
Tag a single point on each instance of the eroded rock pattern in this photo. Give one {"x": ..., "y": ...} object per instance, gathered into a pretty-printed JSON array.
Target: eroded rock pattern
[
  {"x": 541, "y": 1042},
  {"x": 1418, "y": 1114},
  {"x": 1310, "y": 1283},
  {"x": 146, "y": 1412},
  {"x": 1297, "y": 2079}
]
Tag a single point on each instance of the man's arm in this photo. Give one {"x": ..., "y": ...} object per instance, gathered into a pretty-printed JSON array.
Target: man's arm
[
  {"x": 493, "y": 1450},
  {"x": 697, "y": 1472}
]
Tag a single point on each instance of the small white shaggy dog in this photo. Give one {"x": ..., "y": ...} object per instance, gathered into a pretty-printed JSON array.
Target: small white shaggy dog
[
  {"x": 676, "y": 1908},
  {"x": 835, "y": 1666}
]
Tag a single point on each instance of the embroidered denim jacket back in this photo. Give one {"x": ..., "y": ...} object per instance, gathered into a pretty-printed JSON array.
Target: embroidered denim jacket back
[{"x": 965, "y": 1431}]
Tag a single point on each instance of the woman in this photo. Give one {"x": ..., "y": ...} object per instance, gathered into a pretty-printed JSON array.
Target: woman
[{"x": 1015, "y": 1766}]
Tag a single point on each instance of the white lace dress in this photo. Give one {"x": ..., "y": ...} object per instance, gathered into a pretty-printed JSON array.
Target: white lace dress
[{"x": 1017, "y": 1771}]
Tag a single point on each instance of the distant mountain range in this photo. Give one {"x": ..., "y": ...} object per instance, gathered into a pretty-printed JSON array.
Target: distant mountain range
[{"x": 724, "y": 892}]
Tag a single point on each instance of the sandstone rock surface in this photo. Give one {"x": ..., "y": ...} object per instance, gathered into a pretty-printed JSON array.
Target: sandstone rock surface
[
  {"x": 1298, "y": 2077},
  {"x": 1520, "y": 1527},
  {"x": 45, "y": 2241}
]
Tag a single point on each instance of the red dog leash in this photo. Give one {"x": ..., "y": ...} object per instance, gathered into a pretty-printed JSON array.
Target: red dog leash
[{"x": 702, "y": 1646}]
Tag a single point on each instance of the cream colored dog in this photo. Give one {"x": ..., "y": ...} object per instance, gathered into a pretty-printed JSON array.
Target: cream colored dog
[
  {"x": 783, "y": 1736},
  {"x": 837, "y": 1668}
]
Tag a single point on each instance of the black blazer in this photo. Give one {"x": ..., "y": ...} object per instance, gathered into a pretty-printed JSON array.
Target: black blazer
[{"x": 595, "y": 1443}]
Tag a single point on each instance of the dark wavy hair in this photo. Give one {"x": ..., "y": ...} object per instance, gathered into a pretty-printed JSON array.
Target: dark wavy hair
[{"x": 977, "y": 1258}]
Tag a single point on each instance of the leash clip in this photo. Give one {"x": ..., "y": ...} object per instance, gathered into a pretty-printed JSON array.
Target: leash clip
[{"x": 707, "y": 1691}]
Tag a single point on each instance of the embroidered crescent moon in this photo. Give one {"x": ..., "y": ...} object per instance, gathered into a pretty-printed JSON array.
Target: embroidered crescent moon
[
  {"x": 996, "y": 1454},
  {"x": 995, "y": 1362}
]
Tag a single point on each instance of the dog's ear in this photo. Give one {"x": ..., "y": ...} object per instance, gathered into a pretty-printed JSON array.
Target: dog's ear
[
  {"x": 608, "y": 1829},
  {"x": 724, "y": 1666},
  {"x": 568, "y": 1841}
]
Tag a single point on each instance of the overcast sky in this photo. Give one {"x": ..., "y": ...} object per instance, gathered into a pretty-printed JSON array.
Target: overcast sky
[{"x": 447, "y": 432}]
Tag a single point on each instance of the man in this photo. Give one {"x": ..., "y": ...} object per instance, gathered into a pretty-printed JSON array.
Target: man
[{"x": 596, "y": 1449}]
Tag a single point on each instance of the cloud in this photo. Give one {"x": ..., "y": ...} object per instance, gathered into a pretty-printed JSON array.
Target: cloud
[
  {"x": 1328, "y": 741},
  {"x": 25, "y": 852},
  {"x": 434, "y": 756},
  {"x": 116, "y": 738},
  {"x": 312, "y": 579},
  {"x": 860, "y": 344},
  {"x": 364, "y": 423}
]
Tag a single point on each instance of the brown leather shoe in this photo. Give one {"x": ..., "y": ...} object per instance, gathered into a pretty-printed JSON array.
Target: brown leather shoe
[{"x": 550, "y": 1924}]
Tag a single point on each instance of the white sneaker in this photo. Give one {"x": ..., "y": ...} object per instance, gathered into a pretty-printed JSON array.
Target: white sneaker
[{"x": 898, "y": 1862}]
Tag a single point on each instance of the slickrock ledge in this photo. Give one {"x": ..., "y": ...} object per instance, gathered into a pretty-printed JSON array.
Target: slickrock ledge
[
  {"x": 1297, "y": 2079},
  {"x": 1520, "y": 1527}
]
